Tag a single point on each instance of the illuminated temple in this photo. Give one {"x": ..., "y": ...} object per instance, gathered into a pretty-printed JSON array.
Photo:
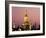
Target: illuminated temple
[{"x": 26, "y": 25}]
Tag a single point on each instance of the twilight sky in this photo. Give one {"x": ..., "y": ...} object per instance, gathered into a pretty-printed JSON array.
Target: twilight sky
[{"x": 18, "y": 14}]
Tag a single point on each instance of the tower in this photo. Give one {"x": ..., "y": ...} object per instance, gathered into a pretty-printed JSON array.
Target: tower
[
  {"x": 26, "y": 19},
  {"x": 27, "y": 25}
]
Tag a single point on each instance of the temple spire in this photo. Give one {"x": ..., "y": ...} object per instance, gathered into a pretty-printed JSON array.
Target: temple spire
[
  {"x": 26, "y": 23},
  {"x": 26, "y": 13}
]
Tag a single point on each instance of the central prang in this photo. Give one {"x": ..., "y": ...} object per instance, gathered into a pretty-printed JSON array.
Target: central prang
[{"x": 26, "y": 25}]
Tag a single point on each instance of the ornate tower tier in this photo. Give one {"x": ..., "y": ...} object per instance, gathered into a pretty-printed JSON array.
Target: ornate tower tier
[{"x": 26, "y": 20}]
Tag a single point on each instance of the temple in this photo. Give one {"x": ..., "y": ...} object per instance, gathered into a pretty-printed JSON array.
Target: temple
[{"x": 26, "y": 25}]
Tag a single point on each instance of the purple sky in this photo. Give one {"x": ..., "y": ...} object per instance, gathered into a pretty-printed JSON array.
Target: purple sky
[{"x": 18, "y": 14}]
